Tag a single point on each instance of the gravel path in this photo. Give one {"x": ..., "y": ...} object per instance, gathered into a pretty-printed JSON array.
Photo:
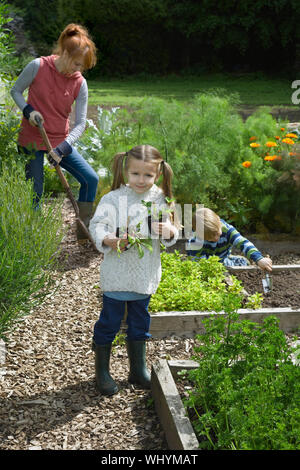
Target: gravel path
[{"x": 48, "y": 396}]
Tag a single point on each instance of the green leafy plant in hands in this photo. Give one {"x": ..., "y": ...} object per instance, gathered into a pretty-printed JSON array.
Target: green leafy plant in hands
[
  {"x": 154, "y": 212},
  {"x": 135, "y": 239}
]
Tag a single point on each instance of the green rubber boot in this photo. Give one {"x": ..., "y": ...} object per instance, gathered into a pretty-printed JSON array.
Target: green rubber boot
[
  {"x": 139, "y": 373},
  {"x": 105, "y": 384},
  {"x": 85, "y": 214}
]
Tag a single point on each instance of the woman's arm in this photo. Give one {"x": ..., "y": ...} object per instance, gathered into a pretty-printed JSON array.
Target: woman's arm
[
  {"x": 24, "y": 80},
  {"x": 80, "y": 114}
]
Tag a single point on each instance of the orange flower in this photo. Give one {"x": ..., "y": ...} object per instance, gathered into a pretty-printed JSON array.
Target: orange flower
[
  {"x": 277, "y": 137},
  {"x": 246, "y": 164},
  {"x": 270, "y": 158},
  {"x": 288, "y": 141},
  {"x": 292, "y": 154},
  {"x": 292, "y": 135},
  {"x": 254, "y": 145},
  {"x": 271, "y": 144},
  {"x": 253, "y": 138},
  {"x": 282, "y": 128}
]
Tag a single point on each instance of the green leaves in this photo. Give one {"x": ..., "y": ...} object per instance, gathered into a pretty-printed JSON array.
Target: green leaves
[
  {"x": 188, "y": 285},
  {"x": 29, "y": 240},
  {"x": 246, "y": 388}
]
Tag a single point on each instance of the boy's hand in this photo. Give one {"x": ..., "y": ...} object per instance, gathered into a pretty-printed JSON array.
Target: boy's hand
[
  {"x": 265, "y": 264},
  {"x": 117, "y": 244},
  {"x": 165, "y": 229}
]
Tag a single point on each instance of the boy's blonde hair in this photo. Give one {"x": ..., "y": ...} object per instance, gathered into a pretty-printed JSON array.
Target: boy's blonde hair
[{"x": 207, "y": 223}]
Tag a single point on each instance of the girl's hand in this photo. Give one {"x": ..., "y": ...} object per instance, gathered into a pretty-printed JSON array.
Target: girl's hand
[
  {"x": 117, "y": 244},
  {"x": 265, "y": 264},
  {"x": 165, "y": 229}
]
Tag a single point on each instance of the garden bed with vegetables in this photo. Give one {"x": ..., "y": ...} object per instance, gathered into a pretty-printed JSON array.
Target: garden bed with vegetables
[
  {"x": 240, "y": 392},
  {"x": 285, "y": 283}
]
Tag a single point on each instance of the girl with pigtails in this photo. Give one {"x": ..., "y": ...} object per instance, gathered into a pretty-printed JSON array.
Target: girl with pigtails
[{"x": 126, "y": 276}]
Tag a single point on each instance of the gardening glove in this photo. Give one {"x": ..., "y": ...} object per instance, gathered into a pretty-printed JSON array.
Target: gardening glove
[
  {"x": 32, "y": 118},
  {"x": 62, "y": 150},
  {"x": 54, "y": 158}
]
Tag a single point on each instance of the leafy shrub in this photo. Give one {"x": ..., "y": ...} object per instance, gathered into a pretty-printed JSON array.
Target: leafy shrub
[
  {"x": 53, "y": 185},
  {"x": 188, "y": 285},
  {"x": 207, "y": 145},
  {"x": 266, "y": 182},
  {"x": 9, "y": 128},
  {"x": 246, "y": 389},
  {"x": 29, "y": 240}
]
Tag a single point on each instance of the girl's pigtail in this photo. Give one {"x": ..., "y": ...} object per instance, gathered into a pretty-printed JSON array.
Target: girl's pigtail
[
  {"x": 167, "y": 174},
  {"x": 118, "y": 168}
]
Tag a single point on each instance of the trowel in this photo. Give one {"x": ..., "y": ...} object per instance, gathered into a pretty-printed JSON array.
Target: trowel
[{"x": 267, "y": 283}]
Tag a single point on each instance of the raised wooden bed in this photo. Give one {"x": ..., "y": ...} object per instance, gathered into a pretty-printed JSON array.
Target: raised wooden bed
[
  {"x": 276, "y": 268},
  {"x": 189, "y": 323},
  {"x": 168, "y": 404}
]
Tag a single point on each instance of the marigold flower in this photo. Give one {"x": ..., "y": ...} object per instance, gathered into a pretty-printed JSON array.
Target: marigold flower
[
  {"x": 253, "y": 138},
  {"x": 292, "y": 154},
  {"x": 292, "y": 135},
  {"x": 270, "y": 158},
  {"x": 246, "y": 164},
  {"x": 277, "y": 137},
  {"x": 271, "y": 144},
  {"x": 288, "y": 141},
  {"x": 254, "y": 145},
  {"x": 282, "y": 128}
]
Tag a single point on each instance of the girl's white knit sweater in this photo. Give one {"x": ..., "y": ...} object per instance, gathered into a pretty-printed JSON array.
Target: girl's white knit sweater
[{"x": 126, "y": 271}]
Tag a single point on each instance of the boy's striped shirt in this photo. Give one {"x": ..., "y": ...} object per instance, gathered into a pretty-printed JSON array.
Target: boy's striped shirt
[{"x": 222, "y": 248}]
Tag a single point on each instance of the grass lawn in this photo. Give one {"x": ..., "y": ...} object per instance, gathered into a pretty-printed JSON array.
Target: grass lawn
[{"x": 253, "y": 89}]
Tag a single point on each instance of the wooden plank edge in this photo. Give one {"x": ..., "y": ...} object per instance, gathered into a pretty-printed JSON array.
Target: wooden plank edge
[
  {"x": 276, "y": 268},
  {"x": 169, "y": 407},
  {"x": 177, "y": 365},
  {"x": 190, "y": 323}
]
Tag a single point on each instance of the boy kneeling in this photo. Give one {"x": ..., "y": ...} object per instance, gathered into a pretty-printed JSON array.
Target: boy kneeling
[{"x": 215, "y": 237}]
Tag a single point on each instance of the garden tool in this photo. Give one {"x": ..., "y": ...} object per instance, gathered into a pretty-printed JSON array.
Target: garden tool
[
  {"x": 65, "y": 184},
  {"x": 267, "y": 283}
]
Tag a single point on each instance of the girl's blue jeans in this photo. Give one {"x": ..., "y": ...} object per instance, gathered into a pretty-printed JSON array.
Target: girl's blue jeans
[
  {"x": 108, "y": 325},
  {"x": 73, "y": 163}
]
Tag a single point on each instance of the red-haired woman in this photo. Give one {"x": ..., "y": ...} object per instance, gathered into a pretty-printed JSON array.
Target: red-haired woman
[{"x": 55, "y": 82}]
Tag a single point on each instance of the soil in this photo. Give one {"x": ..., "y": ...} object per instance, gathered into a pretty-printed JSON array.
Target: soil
[
  {"x": 285, "y": 284},
  {"x": 285, "y": 288},
  {"x": 48, "y": 394}
]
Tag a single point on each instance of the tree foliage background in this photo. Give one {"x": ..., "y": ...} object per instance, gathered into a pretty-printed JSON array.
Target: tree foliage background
[{"x": 163, "y": 36}]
